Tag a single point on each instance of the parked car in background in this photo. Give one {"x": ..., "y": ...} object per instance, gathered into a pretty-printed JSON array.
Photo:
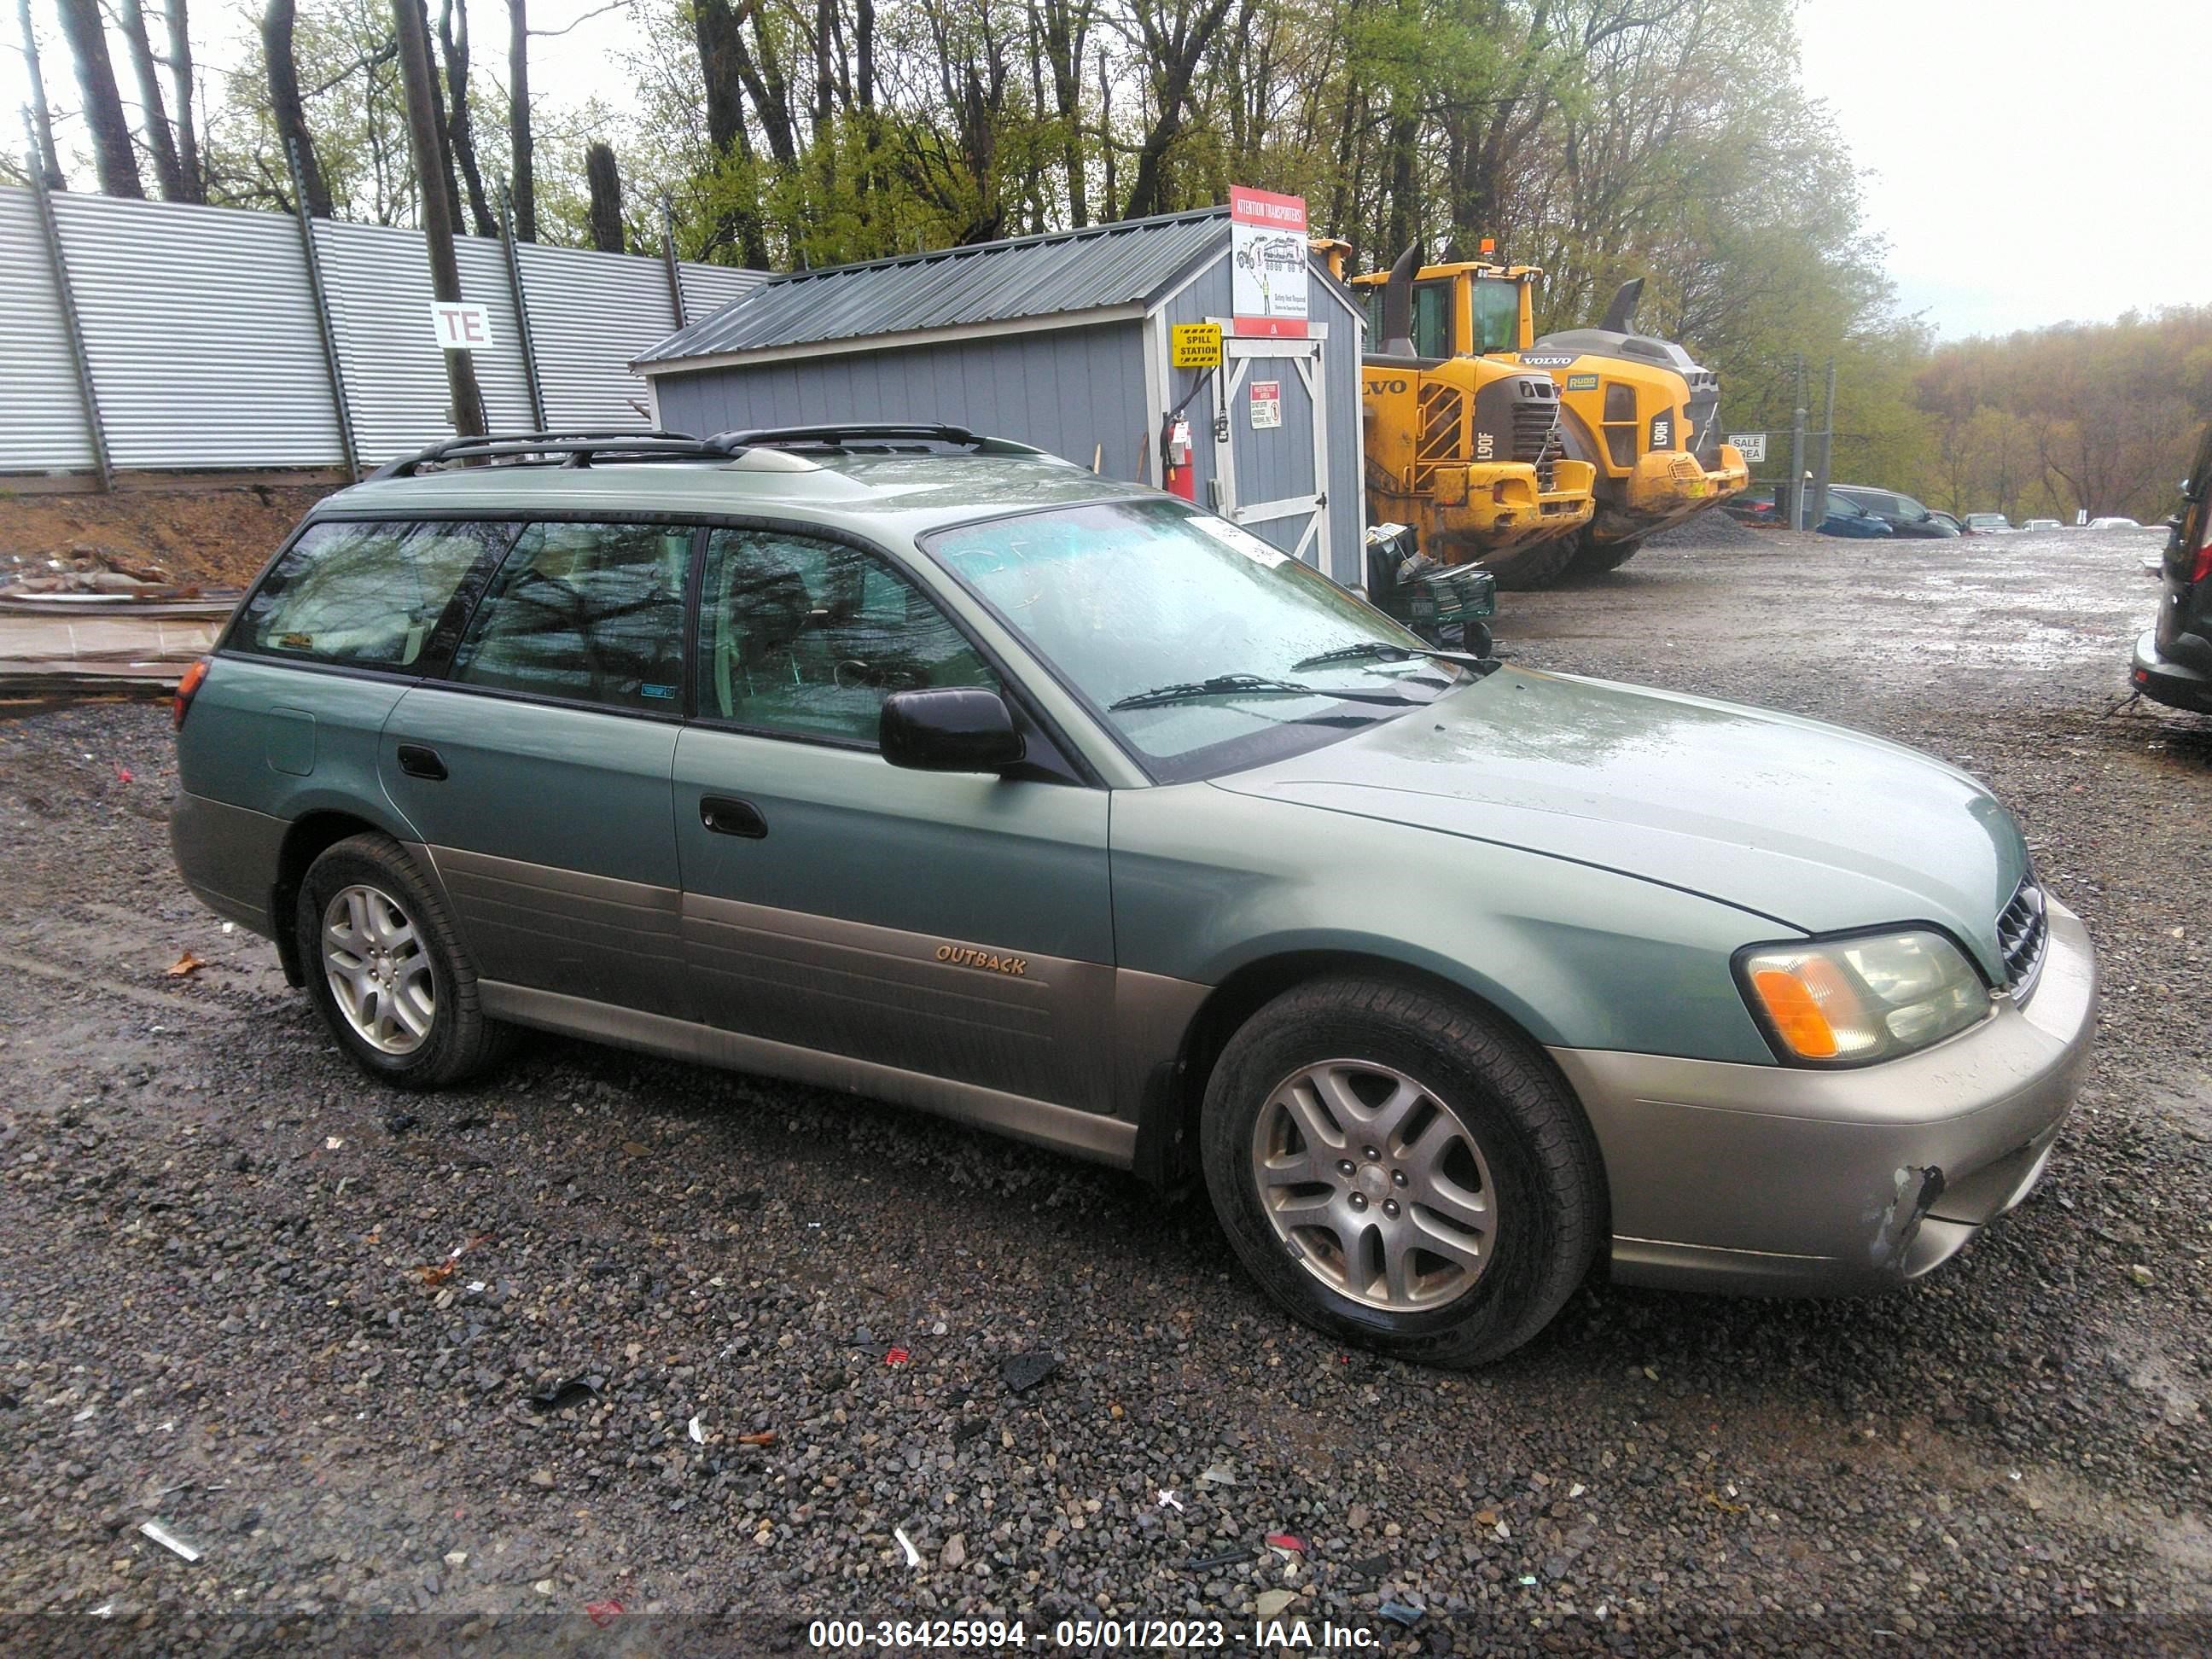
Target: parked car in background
[
  {"x": 2115, "y": 524},
  {"x": 927, "y": 767},
  {"x": 1987, "y": 524},
  {"x": 1754, "y": 506},
  {"x": 2042, "y": 524},
  {"x": 1849, "y": 520},
  {"x": 2173, "y": 658},
  {"x": 1955, "y": 526},
  {"x": 1903, "y": 515}
]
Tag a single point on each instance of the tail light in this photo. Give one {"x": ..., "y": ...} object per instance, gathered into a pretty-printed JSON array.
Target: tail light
[
  {"x": 181, "y": 704},
  {"x": 2203, "y": 567}
]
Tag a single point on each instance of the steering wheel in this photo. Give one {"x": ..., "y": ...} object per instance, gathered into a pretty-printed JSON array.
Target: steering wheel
[{"x": 877, "y": 676}]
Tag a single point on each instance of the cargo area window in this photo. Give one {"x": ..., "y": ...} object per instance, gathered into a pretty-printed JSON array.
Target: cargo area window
[
  {"x": 804, "y": 638},
  {"x": 367, "y": 595},
  {"x": 589, "y": 612}
]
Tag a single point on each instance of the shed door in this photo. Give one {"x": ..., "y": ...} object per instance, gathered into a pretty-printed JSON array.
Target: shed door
[{"x": 1271, "y": 451}]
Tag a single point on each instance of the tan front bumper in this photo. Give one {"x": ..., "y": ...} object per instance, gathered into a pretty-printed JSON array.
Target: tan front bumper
[{"x": 1775, "y": 1179}]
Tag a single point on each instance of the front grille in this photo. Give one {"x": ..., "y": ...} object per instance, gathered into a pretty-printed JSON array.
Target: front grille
[
  {"x": 1536, "y": 429},
  {"x": 2023, "y": 933}
]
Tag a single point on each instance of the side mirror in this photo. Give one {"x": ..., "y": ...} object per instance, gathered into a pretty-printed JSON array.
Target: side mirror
[{"x": 955, "y": 728}]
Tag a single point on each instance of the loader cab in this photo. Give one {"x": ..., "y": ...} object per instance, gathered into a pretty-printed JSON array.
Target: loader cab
[{"x": 1459, "y": 310}]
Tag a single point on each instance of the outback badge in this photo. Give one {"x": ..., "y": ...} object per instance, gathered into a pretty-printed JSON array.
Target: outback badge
[{"x": 967, "y": 955}]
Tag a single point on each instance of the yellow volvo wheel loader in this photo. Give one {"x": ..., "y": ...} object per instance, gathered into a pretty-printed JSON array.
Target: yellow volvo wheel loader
[
  {"x": 1646, "y": 415},
  {"x": 1639, "y": 412},
  {"x": 1467, "y": 449}
]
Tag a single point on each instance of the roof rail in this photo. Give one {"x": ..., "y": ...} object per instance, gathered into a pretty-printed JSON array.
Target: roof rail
[
  {"x": 845, "y": 433},
  {"x": 576, "y": 447}
]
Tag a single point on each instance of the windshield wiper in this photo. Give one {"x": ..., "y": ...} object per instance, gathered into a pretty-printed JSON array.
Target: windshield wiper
[
  {"x": 1241, "y": 685},
  {"x": 1384, "y": 651}
]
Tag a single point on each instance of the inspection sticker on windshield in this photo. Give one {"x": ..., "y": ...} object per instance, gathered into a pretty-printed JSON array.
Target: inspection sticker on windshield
[{"x": 1242, "y": 540}]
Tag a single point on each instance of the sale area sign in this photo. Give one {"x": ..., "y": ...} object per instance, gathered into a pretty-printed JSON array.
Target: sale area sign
[{"x": 1267, "y": 264}]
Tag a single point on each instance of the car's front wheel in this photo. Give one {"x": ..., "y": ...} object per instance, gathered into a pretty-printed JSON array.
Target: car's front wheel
[
  {"x": 385, "y": 969},
  {"x": 1398, "y": 1169}
]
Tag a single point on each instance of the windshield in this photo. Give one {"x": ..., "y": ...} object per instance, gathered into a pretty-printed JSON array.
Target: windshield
[
  {"x": 1497, "y": 314},
  {"x": 1198, "y": 645}
]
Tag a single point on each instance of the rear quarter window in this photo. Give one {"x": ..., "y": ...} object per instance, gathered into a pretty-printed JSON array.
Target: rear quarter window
[{"x": 367, "y": 595}]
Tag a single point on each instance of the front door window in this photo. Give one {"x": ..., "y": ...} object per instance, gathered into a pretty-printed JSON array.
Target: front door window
[{"x": 801, "y": 637}]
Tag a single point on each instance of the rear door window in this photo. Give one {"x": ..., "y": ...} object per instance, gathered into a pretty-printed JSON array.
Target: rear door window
[
  {"x": 588, "y": 613},
  {"x": 369, "y": 595}
]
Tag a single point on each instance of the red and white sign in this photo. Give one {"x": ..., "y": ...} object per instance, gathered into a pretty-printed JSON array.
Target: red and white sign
[
  {"x": 1267, "y": 264},
  {"x": 1266, "y": 404},
  {"x": 460, "y": 326}
]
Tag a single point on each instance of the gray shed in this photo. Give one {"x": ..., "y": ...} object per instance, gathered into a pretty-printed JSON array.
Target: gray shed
[{"x": 1062, "y": 341}]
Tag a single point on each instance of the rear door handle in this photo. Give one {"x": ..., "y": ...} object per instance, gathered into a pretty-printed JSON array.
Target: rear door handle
[
  {"x": 416, "y": 762},
  {"x": 725, "y": 816}
]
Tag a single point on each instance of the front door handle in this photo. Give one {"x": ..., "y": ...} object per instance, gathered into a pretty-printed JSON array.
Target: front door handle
[
  {"x": 725, "y": 816},
  {"x": 416, "y": 762}
]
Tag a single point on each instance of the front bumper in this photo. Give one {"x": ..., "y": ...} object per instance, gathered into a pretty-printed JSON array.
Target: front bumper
[
  {"x": 1665, "y": 488},
  {"x": 1473, "y": 512},
  {"x": 1773, "y": 1180},
  {"x": 2164, "y": 680}
]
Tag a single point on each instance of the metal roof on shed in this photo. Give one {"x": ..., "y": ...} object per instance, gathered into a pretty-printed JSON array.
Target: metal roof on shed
[{"x": 1104, "y": 266}]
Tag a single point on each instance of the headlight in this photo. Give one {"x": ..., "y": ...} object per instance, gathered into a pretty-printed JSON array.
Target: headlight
[{"x": 1847, "y": 1001}]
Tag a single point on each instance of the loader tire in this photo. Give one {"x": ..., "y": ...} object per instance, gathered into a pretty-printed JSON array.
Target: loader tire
[
  {"x": 1527, "y": 567},
  {"x": 1593, "y": 558}
]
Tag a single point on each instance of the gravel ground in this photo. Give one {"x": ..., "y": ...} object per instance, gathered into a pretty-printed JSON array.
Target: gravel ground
[{"x": 300, "y": 1322}]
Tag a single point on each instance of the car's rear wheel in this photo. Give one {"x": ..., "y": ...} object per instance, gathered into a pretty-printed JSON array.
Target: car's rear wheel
[
  {"x": 1401, "y": 1171},
  {"x": 385, "y": 970}
]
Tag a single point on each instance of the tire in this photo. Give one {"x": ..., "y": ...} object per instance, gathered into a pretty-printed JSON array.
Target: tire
[
  {"x": 420, "y": 1024},
  {"x": 1528, "y": 568},
  {"x": 1592, "y": 558},
  {"x": 1523, "y": 1147}
]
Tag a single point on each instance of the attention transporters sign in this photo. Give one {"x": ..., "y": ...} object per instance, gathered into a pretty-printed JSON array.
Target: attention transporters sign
[{"x": 1267, "y": 264}]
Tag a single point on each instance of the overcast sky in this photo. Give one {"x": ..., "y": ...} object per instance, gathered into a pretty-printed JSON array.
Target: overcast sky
[{"x": 2029, "y": 160}]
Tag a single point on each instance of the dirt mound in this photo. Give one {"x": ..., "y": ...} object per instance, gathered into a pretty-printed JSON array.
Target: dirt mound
[
  {"x": 1711, "y": 529},
  {"x": 217, "y": 535}
]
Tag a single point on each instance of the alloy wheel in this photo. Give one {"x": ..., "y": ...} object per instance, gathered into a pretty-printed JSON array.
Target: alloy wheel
[
  {"x": 1374, "y": 1185},
  {"x": 378, "y": 970}
]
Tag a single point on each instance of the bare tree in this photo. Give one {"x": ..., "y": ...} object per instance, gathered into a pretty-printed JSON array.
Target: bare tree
[
  {"x": 112, "y": 153},
  {"x": 460, "y": 134},
  {"x": 179, "y": 64},
  {"x": 286, "y": 107},
  {"x": 1173, "y": 39},
  {"x": 153, "y": 109},
  {"x": 523, "y": 187},
  {"x": 42, "y": 120},
  {"x": 412, "y": 26},
  {"x": 601, "y": 175}
]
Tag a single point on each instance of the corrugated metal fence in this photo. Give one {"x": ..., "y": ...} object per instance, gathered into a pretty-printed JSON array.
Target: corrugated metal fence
[{"x": 203, "y": 348}]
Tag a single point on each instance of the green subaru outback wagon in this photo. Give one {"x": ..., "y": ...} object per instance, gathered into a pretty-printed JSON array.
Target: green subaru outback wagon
[{"x": 933, "y": 768}]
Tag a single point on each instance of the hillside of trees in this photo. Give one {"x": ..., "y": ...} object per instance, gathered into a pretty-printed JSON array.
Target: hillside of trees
[{"x": 1600, "y": 139}]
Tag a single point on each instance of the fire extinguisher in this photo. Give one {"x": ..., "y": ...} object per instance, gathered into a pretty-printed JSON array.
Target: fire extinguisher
[{"x": 1174, "y": 458}]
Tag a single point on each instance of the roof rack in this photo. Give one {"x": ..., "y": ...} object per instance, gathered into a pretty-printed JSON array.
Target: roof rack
[
  {"x": 576, "y": 448},
  {"x": 846, "y": 434}
]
